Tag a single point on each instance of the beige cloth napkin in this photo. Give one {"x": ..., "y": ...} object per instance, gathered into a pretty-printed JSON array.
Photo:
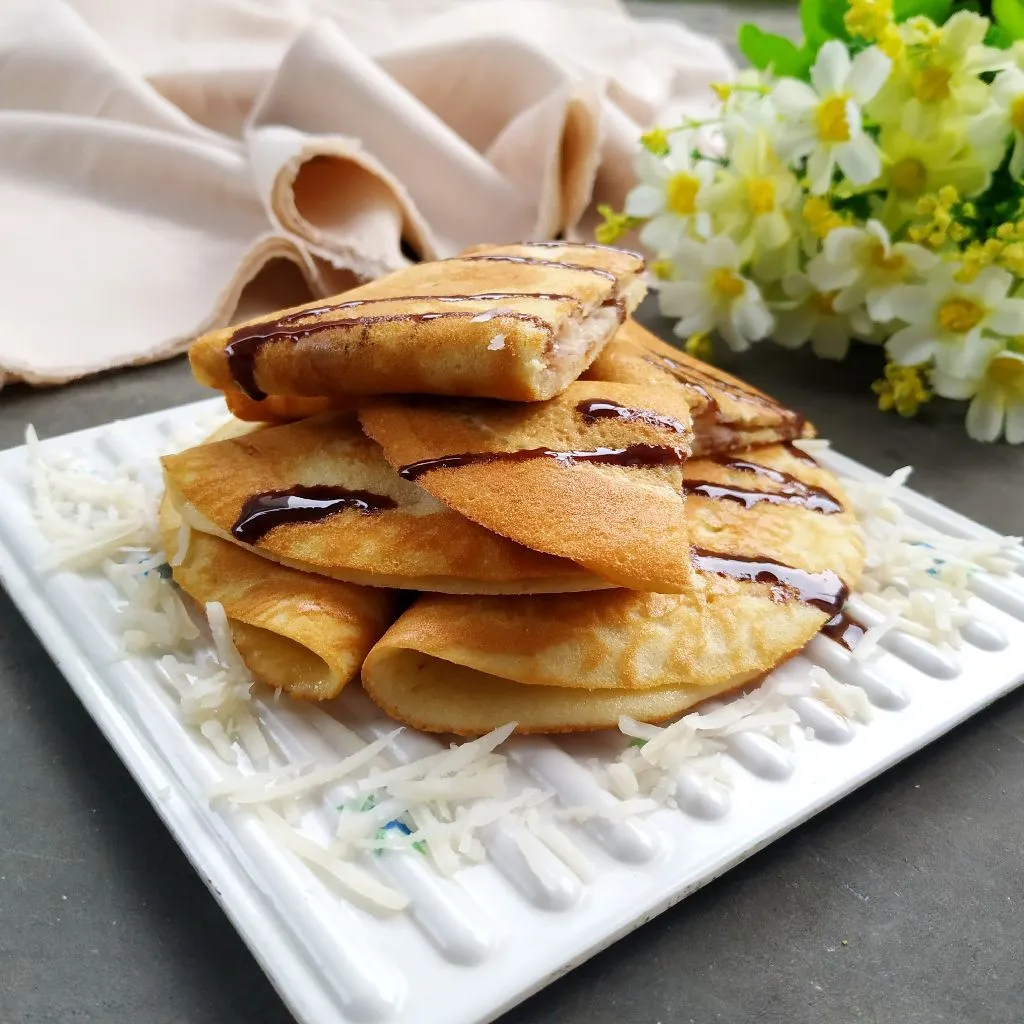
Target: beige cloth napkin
[{"x": 169, "y": 166}]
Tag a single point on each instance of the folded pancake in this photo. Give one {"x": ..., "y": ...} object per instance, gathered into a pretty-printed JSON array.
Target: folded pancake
[
  {"x": 768, "y": 575},
  {"x": 277, "y": 408},
  {"x": 296, "y": 632},
  {"x": 593, "y": 475},
  {"x": 728, "y": 414},
  {"x": 517, "y": 321},
  {"x": 318, "y": 495}
]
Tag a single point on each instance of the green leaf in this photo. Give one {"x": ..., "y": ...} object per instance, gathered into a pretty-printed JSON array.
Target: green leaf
[
  {"x": 765, "y": 50},
  {"x": 1009, "y": 16},
  {"x": 811, "y": 22},
  {"x": 937, "y": 10},
  {"x": 998, "y": 37},
  {"x": 830, "y": 17}
]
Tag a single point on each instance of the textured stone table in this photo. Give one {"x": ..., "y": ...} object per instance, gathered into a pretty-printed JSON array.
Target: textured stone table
[{"x": 903, "y": 903}]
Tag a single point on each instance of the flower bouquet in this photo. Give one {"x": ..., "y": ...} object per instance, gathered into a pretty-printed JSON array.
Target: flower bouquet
[{"x": 865, "y": 185}]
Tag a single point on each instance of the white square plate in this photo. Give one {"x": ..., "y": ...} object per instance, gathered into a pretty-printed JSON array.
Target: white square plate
[{"x": 485, "y": 939}]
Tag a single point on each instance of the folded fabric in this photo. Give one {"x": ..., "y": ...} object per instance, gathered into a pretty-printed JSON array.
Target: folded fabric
[{"x": 176, "y": 166}]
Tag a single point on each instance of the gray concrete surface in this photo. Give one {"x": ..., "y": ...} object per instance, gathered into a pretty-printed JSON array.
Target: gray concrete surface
[{"x": 903, "y": 903}]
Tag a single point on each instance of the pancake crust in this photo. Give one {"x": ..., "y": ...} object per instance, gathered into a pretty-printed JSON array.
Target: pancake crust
[
  {"x": 419, "y": 544},
  {"x": 623, "y": 522},
  {"x": 557, "y": 664},
  {"x": 304, "y": 634},
  {"x": 728, "y": 414},
  {"x": 516, "y": 322}
]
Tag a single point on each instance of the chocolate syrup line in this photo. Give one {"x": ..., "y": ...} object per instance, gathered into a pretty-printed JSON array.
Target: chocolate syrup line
[
  {"x": 535, "y": 261},
  {"x": 636, "y": 455},
  {"x": 691, "y": 376},
  {"x": 301, "y": 504},
  {"x": 593, "y": 409},
  {"x": 586, "y": 245},
  {"x": 824, "y": 590},
  {"x": 814, "y": 500},
  {"x": 844, "y": 629},
  {"x": 794, "y": 490}
]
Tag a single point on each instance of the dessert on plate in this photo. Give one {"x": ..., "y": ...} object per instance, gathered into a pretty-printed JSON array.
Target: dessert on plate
[{"x": 471, "y": 486}]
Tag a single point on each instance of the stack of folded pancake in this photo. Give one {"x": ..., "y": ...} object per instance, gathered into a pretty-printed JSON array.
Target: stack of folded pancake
[{"x": 480, "y": 486}]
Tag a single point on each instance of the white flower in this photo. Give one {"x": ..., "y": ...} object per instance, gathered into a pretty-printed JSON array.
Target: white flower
[
  {"x": 947, "y": 319},
  {"x": 1004, "y": 116},
  {"x": 670, "y": 194},
  {"x": 752, "y": 196},
  {"x": 863, "y": 266},
  {"x": 997, "y": 395},
  {"x": 709, "y": 292},
  {"x": 811, "y": 315},
  {"x": 823, "y": 123}
]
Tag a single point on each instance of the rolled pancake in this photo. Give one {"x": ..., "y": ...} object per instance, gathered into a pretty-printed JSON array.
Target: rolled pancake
[
  {"x": 296, "y": 632},
  {"x": 391, "y": 533},
  {"x": 593, "y": 475},
  {"x": 728, "y": 414},
  {"x": 767, "y": 578},
  {"x": 517, "y": 322},
  {"x": 278, "y": 408}
]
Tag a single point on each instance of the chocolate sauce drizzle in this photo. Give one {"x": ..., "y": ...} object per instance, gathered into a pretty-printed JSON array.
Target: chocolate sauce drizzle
[
  {"x": 301, "y": 504},
  {"x": 535, "y": 261},
  {"x": 586, "y": 245},
  {"x": 593, "y": 409},
  {"x": 824, "y": 590},
  {"x": 636, "y": 455},
  {"x": 793, "y": 491},
  {"x": 844, "y": 629},
  {"x": 698, "y": 380}
]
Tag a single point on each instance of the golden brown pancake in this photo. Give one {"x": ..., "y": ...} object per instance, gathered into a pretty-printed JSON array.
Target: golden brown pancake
[
  {"x": 385, "y": 531},
  {"x": 593, "y": 475},
  {"x": 278, "y": 408},
  {"x": 728, "y": 414},
  {"x": 300, "y": 633},
  {"x": 767, "y": 578},
  {"x": 517, "y": 322}
]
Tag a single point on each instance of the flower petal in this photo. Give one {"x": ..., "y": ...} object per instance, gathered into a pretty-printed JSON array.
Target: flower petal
[
  {"x": 950, "y": 386},
  {"x": 843, "y": 245},
  {"x": 665, "y": 234},
  {"x": 859, "y": 160},
  {"x": 830, "y": 338},
  {"x": 1008, "y": 317},
  {"x": 985, "y": 416},
  {"x": 913, "y": 303},
  {"x": 793, "y": 99},
  {"x": 1015, "y": 423},
  {"x": 991, "y": 285},
  {"x": 680, "y": 298},
  {"x": 819, "y": 169},
  {"x": 750, "y": 316},
  {"x": 793, "y": 328},
  {"x": 911, "y": 346},
  {"x": 827, "y": 277},
  {"x": 644, "y": 201},
  {"x": 721, "y": 251},
  {"x": 868, "y": 72},
  {"x": 831, "y": 68}
]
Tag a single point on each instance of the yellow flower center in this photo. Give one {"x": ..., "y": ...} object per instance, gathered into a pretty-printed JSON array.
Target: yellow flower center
[
  {"x": 1007, "y": 374},
  {"x": 822, "y": 302},
  {"x": 1017, "y": 114},
  {"x": 908, "y": 176},
  {"x": 832, "y": 123},
  {"x": 932, "y": 85},
  {"x": 891, "y": 261},
  {"x": 959, "y": 315},
  {"x": 761, "y": 193},
  {"x": 681, "y": 193},
  {"x": 820, "y": 217},
  {"x": 726, "y": 283},
  {"x": 663, "y": 270}
]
